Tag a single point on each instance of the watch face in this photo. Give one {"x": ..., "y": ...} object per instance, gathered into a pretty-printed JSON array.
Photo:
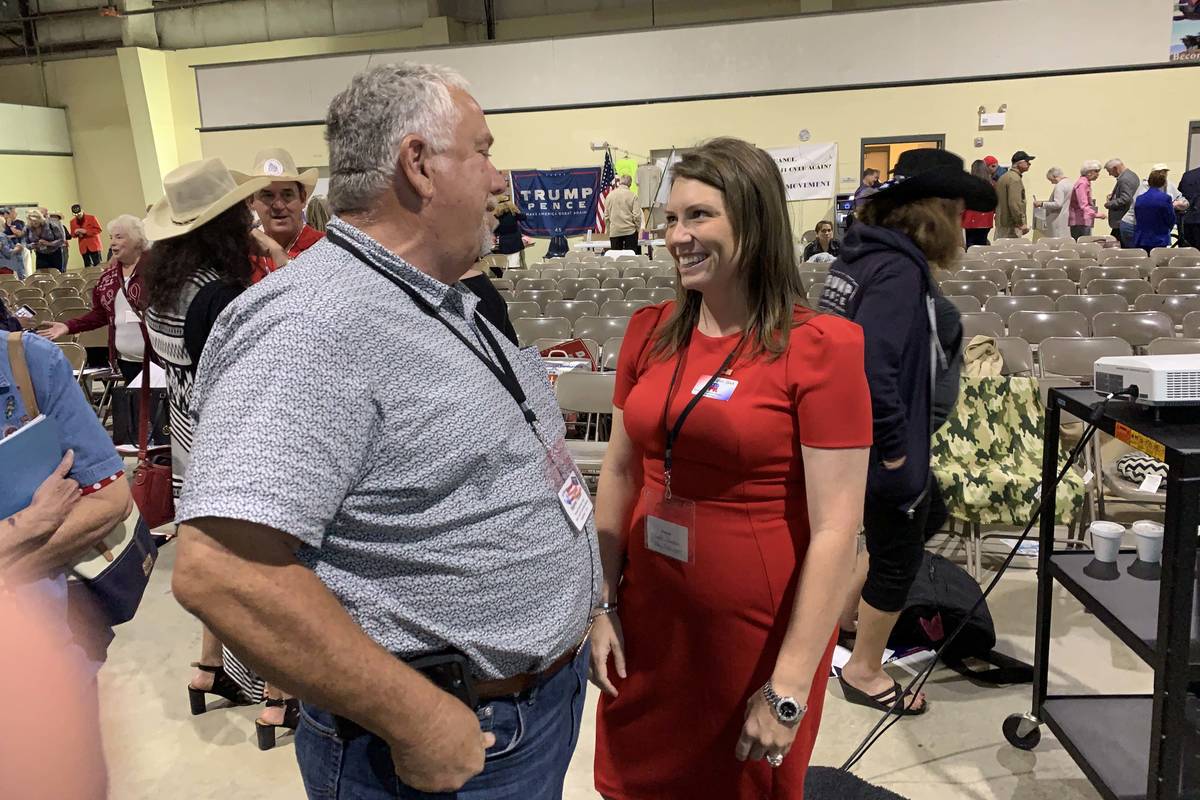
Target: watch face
[{"x": 789, "y": 710}]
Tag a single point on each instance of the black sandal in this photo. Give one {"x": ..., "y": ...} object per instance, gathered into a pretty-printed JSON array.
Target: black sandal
[
  {"x": 291, "y": 718},
  {"x": 223, "y": 686},
  {"x": 890, "y": 699}
]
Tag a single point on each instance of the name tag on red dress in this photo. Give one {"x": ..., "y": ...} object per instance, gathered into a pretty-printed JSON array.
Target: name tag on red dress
[
  {"x": 722, "y": 388},
  {"x": 670, "y": 526}
]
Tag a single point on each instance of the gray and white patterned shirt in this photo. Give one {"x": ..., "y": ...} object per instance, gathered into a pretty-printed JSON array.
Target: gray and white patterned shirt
[{"x": 330, "y": 407}]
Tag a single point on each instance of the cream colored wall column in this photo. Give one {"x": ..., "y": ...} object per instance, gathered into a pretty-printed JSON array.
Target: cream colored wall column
[{"x": 148, "y": 97}]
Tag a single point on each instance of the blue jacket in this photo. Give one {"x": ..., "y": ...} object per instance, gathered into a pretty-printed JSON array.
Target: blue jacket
[
  {"x": 1155, "y": 217},
  {"x": 882, "y": 281}
]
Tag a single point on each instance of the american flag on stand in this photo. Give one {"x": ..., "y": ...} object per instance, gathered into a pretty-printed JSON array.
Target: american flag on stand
[{"x": 608, "y": 177}]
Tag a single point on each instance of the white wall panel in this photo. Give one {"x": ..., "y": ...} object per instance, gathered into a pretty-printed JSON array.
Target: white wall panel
[
  {"x": 34, "y": 130},
  {"x": 924, "y": 43}
]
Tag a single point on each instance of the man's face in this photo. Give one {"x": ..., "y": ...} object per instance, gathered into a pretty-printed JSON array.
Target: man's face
[
  {"x": 280, "y": 206},
  {"x": 872, "y": 179},
  {"x": 79, "y": 215},
  {"x": 1022, "y": 166},
  {"x": 991, "y": 168},
  {"x": 825, "y": 233},
  {"x": 465, "y": 185},
  {"x": 1113, "y": 171}
]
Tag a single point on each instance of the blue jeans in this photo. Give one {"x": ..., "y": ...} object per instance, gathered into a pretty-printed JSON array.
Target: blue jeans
[
  {"x": 536, "y": 733},
  {"x": 1128, "y": 234}
]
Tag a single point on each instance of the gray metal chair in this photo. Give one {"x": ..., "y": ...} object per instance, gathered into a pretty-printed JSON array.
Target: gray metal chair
[
  {"x": 1017, "y": 355},
  {"x": 1139, "y": 328},
  {"x": 1160, "y": 274},
  {"x": 1054, "y": 288},
  {"x": 1038, "y": 274},
  {"x": 1035, "y": 326},
  {"x": 590, "y": 393},
  {"x": 560, "y": 273},
  {"x": 601, "y": 328},
  {"x": 1109, "y": 253},
  {"x": 1172, "y": 346},
  {"x": 661, "y": 282},
  {"x": 981, "y": 323},
  {"x": 610, "y": 353},
  {"x": 501, "y": 283},
  {"x": 1179, "y": 286},
  {"x": 1129, "y": 288},
  {"x": 965, "y": 303},
  {"x": 539, "y": 296},
  {"x": 1090, "y": 274},
  {"x": 571, "y": 287},
  {"x": 523, "y": 309},
  {"x": 651, "y": 295},
  {"x": 1075, "y": 357},
  {"x": 1191, "y": 324},
  {"x": 572, "y": 309},
  {"x": 980, "y": 290},
  {"x": 530, "y": 328},
  {"x": 600, "y": 273},
  {"x": 1072, "y": 266},
  {"x": 1005, "y": 305},
  {"x": 599, "y": 296},
  {"x": 1177, "y": 306},
  {"x": 1178, "y": 262},
  {"x": 624, "y": 284},
  {"x": 993, "y": 274},
  {"x": 621, "y": 308},
  {"x": 1091, "y": 304},
  {"x": 1161, "y": 256}
]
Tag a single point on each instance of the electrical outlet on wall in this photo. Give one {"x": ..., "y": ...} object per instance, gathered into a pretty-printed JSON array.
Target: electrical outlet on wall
[{"x": 979, "y": 141}]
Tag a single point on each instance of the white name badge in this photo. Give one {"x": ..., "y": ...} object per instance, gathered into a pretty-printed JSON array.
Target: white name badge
[
  {"x": 575, "y": 501},
  {"x": 722, "y": 388},
  {"x": 670, "y": 526}
]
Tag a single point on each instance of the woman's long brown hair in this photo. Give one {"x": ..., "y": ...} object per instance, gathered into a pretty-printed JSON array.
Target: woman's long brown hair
[{"x": 756, "y": 204}]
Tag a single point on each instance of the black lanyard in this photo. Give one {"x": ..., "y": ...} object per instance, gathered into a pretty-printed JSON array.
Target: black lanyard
[
  {"x": 674, "y": 430},
  {"x": 504, "y": 372}
]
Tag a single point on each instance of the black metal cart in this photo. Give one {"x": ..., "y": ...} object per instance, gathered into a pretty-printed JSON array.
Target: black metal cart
[{"x": 1129, "y": 746}]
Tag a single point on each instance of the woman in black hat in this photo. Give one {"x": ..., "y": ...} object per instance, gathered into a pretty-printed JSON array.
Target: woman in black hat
[{"x": 883, "y": 281}]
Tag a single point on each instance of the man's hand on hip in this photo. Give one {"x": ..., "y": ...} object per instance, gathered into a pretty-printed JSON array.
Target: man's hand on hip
[{"x": 449, "y": 752}]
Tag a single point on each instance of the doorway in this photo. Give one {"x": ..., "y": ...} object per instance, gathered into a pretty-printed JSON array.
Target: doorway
[
  {"x": 1193, "y": 155},
  {"x": 881, "y": 153}
]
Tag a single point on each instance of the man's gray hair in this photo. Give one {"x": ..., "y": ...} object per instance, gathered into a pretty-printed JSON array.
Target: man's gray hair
[
  {"x": 370, "y": 118},
  {"x": 626, "y": 180},
  {"x": 1089, "y": 166},
  {"x": 132, "y": 227},
  {"x": 1112, "y": 163},
  {"x": 1054, "y": 172}
]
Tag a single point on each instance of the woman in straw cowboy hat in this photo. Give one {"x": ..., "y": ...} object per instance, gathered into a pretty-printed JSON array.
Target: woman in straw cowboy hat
[{"x": 203, "y": 239}]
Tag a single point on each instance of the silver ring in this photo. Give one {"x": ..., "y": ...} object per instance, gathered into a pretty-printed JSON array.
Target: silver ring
[{"x": 775, "y": 760}]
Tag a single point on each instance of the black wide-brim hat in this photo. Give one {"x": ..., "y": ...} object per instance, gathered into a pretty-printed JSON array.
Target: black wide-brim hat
[{"x": 935, "y": 173}]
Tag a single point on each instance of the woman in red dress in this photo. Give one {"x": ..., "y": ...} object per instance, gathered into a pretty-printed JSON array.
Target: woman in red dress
[{"x": 726, "y": 559}]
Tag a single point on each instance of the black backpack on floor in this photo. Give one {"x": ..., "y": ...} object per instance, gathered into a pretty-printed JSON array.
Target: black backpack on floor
[{"x": 941, "y": 597}]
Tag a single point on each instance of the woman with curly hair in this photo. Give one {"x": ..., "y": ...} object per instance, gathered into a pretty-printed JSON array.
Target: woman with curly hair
[{"x": 204, "y": 238}]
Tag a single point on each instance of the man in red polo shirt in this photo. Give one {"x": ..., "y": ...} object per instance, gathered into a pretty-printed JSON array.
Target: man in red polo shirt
[
  {"x": 86, "y": 229},
  {"x": 280, "y": 209}
]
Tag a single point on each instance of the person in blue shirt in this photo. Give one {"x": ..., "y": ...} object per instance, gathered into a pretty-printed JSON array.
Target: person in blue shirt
[
  {"x": 51, "y": 543},
  {"x": 1155, "y": 214}
]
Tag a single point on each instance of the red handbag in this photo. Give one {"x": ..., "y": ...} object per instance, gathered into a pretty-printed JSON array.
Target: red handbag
[{"x": 152, "y": 478}]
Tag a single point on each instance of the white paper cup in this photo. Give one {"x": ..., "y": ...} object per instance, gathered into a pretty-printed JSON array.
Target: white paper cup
[
  {"x": 1149, "y": 535},
  {"x": 1106, "y": 539}
]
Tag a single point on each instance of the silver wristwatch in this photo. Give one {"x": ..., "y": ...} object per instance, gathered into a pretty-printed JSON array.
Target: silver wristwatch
[{"x": 786, "y": 709}]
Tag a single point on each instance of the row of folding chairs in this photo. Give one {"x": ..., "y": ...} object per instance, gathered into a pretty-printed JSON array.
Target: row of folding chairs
[
  {"x": 1074, "y": 265},
  {"x": 574, "y": 309},
  {"x": 601, "y": 271},
  {"x": 1138, "y": 328},
  {"x": 560, "y": 329},
  {"x": 1129, "y": 288},
  {"x": 592, "y": 293},
  {"x": 606, "y": 354},
  {"x": 1159, "y": 256},
  {"x": 1081, "y": 275},
  {"x": 1177, "y": 307}
]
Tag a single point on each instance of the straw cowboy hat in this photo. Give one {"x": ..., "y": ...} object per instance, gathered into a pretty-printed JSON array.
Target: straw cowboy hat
[
  {"x": 194, "y": 194},
  {"x": 278, "y": 165}
]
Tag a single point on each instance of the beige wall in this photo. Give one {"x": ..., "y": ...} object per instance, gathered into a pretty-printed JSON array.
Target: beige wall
[
  {"x": 105, "y": 179},
  {"x": 1061, "y": 120},
  {"x": 46, "y": 180}
]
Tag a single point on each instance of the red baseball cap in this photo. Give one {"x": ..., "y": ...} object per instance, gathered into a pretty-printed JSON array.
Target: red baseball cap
[{"x": 991, "y": 161}]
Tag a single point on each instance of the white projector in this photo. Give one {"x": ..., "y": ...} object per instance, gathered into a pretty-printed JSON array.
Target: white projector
[{"x": 1160, "y": 380}]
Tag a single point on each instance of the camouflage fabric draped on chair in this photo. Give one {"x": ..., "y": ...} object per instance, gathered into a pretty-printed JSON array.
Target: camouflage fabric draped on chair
[{"x": 988, "y": 457}]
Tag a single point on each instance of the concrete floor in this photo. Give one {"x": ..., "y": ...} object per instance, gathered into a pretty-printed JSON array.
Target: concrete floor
[{"x": 156, "y": 749}]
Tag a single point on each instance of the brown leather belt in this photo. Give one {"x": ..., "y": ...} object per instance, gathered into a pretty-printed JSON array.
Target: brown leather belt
[{"x": 506, "y": 687}]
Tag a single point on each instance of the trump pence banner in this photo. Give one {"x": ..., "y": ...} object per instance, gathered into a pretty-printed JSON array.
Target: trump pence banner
[
  {"x": 558, "y": 201},
  {"x": 809, "y": 171}
]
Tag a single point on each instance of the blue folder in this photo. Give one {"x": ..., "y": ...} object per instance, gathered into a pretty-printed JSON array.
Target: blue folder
[{"x": 27, "y": 458}]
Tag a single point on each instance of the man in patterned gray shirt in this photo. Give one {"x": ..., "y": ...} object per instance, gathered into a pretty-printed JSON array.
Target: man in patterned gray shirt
[{"x": 378, "y": 476}]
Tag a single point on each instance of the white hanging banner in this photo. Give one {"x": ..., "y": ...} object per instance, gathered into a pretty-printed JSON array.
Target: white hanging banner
[{"x": 809, "y": 170}]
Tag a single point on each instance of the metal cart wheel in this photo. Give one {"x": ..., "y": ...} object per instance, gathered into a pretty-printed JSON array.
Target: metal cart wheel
[{"x": 1022, "y": 731}]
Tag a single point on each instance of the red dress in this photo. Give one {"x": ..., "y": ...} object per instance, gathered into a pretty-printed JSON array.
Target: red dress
[{"x": 701, "y": 638}]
